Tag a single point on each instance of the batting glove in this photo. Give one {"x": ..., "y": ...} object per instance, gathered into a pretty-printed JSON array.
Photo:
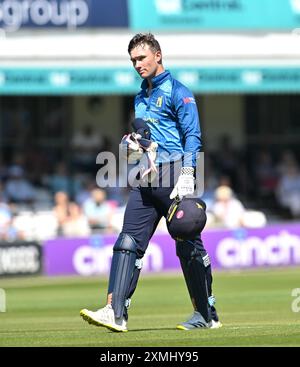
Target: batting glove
[{"x": 185, "y": 183}]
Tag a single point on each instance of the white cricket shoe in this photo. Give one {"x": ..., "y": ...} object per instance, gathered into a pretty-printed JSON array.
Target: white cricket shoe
[
  {"x": 196, "y": 321},
  {"x": 104, "y": 317}
]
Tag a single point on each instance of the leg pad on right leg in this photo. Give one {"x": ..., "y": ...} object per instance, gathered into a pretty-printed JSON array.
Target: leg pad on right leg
[
  {"x": 194, "y": 265},
  {"x": 121, "y": 272}
]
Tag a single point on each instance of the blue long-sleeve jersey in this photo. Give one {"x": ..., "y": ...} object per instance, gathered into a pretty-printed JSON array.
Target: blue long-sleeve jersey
[{"x": 172, "y": 116}]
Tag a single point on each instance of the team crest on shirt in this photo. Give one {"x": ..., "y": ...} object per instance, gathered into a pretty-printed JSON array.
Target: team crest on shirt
[{"x": 159, "y": 101}]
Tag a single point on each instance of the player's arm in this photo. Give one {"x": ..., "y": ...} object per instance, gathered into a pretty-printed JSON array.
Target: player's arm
[
  {"x": 189, "y": 126},
  {"x": 188, "y": 121}
]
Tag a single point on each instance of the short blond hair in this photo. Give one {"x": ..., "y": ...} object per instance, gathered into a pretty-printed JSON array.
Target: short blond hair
[{"x": 223, "y": 193}]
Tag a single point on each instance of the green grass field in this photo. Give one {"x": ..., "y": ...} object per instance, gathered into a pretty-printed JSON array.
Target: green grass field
[{"x": 255, "y": 308}]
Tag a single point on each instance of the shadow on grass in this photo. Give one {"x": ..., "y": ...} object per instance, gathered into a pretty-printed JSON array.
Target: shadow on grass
[{"x": 149, "y": 329}]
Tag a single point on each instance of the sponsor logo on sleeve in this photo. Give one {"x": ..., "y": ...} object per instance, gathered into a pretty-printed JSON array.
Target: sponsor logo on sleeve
[{"x": 187, "y": 100}]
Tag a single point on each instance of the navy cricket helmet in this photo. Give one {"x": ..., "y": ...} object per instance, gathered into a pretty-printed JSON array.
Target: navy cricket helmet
[{"x": 186, "y": 218}]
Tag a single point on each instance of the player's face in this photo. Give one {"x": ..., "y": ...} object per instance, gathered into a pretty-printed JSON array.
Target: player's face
[{"x": 145, "y": 61}]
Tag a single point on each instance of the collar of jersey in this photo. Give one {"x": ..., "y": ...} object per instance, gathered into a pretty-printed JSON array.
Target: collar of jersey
[{"x": 157, "y": 80}]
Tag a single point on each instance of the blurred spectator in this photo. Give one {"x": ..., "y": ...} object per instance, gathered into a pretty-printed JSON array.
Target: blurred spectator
[
  {"x": 116, "y": 190},
  {"x": 288, "y": 190},
  {"x": 84, "y": 193},
  {"x": 86, "y": 144},
  {"x": 5, "y": 221},
  {"x": 35, "y": 226},
  {"x": 286, "y": 159},
  {"x": 61, "y": 180},
  {"x": 17, "y": 188},
  {"x": 99, "y": 211},
  {"x": 71, "y": 221},
  {"x": 8, "y": 232},
  {"x": 229, "y": 212}
]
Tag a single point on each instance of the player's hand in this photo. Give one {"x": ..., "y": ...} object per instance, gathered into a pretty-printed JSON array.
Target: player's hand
[
  {"x": 185, "y": 184},
  {"x": 130, "y": 148}
]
